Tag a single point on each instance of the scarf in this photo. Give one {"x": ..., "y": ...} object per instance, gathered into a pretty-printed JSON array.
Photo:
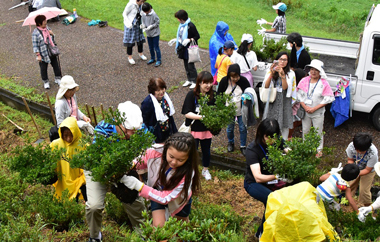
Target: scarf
[
  {"x": 184, "y": 32},
  {"x": 46, "y": 35},
  {"x": 160, "y": 116},
  {"x": 74, "y": 108},
  {"x": 298, "y": 53}
]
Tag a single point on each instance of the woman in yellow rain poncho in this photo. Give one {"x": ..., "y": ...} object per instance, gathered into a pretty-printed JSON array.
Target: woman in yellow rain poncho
[{"x": 68, "y": 178}]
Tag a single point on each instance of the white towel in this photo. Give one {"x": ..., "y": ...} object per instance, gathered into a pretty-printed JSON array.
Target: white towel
[{"x": 160, "y": 116}]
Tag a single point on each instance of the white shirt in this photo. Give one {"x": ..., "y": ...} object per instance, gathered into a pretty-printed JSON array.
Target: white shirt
[{"x": 239, "y": 59}]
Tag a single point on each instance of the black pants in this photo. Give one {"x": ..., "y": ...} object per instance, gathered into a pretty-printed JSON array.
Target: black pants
[
  {"x": 54, "y": 64},
  {"x": 139, "y": 48},
  {"x": 191, "y": 72}
]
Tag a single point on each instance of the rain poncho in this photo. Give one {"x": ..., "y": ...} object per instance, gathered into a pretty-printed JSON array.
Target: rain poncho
[
  {"x": 297, "y": 213},
  {"x": 71, "y": 178},
  {"x": 217, "y": 40}
]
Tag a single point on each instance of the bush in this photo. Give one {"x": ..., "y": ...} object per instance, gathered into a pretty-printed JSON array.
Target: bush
[
  {"x": 115, "y": 210},
  {"x": 269, "y": 50}
]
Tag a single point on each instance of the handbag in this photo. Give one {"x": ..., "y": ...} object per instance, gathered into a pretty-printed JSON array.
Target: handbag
[
  {"x": 52, "y": 50},
  {"x": 184, "y": 128},
  {"x": 216, "y": 73},
  {"x": 194, "y": 52},
  {"x": 268, "y": 94},
  {"x": 301, "y": 112}
]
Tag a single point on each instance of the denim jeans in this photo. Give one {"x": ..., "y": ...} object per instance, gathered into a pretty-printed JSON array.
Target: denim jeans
[
  {"x": 260, "y": 192},
  {"x": 242, "y": 130},
  {"x": 206, "y": 150},
  {"x": 154, "y": 47}
]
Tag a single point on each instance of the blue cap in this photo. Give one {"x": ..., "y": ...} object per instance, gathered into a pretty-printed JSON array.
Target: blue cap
[
  {"x": 280, "y": 6},
  {"x": 229, "y": 45}
]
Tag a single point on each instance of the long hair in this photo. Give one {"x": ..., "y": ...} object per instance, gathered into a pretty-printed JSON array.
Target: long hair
[
  {"x": 286, "y": 68},
  {"x": 204, "y": 77},
  {"x": 296, "y": 39},
  {"x": 268, "y": 127},
  {"x": 243, "y": 48},
  {"x": 183, "y": 142}
]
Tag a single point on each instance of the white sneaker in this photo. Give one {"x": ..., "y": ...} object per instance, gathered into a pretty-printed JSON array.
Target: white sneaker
[
  {"x": 131, "y": 61},
  {"x": 58, "y": 81},
  {"x": 143, "y": 57},
  {"x": 46, "y": 85},
  {"x": 206, "y": 174},
  {"x": 192, "y": 86},
  {"x": 186, "y": 84}
]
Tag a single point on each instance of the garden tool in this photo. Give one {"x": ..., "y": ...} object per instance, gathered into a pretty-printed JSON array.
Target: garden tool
[
  {"x": 18, "y": 129},
  {"x": 51, "y": 109},
  {"x": 34, "y": 121}
]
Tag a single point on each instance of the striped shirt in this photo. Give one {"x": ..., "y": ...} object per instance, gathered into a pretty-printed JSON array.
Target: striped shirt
[{"x": 328, "y": 189}]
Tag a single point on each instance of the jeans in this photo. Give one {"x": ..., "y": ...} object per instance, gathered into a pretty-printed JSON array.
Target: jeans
[
  {"x": 206, "y": 150},
  {"x": 54, "y": 63},
  {"x": 191, "y": 72},
  {"x": 242, "y": 130},
  {"x": 260, "y": 192},
  {"x": 154, "y": 47}
]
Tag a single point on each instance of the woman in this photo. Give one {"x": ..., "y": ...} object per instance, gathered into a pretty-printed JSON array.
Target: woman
[
  {"x": 66, "y": 102},
  {"x": 299, "y": 57},
  {"x": 132, "y": 32},
  {"x": 233, "y": 84},
  {"x": 190, "y": 109},
  {"x": 283, "y": 78},
  {"x": 246, "y": 58},
  {"x": 158, "y": 110},
  {"x": 279, "y": 24},
  {"x": 257, "y": 176},
  {"x": 223, "y": 60},
  {"x": 217, "y": 41},
  {"x": 40, "y": 37},
  {"x": 314, "y": 93}
]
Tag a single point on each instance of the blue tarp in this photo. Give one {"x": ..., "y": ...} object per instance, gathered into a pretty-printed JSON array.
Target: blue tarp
[{"x": 340, "y": 108}]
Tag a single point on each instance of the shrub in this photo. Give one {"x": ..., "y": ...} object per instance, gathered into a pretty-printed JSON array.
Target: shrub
[
  {"x": 269, "y": 50},
  {"x": 115, "y": 210}
]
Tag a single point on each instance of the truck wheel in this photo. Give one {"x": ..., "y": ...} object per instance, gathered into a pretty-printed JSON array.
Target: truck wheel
[{"x": 376, "y": 118}]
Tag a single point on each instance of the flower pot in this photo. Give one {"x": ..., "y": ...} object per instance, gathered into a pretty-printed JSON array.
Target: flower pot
[{"x": 123, "y": 193}]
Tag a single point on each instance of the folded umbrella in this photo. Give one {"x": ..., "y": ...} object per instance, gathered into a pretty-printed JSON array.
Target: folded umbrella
[{"x": 48, "y": 12}]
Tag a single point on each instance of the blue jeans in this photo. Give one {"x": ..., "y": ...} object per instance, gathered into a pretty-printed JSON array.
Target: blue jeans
[
  {"x": 206, "y": 150},
  {"x": 153, "y": 43},
  {"x": 260, "y": 192},
  {"x": 242, "y": 130}
]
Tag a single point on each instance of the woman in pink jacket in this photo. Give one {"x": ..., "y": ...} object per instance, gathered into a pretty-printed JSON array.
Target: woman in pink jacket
[{"x": 173, "y": 177}]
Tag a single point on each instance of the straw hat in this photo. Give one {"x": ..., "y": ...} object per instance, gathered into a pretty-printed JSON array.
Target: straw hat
[{"x": 67, "y": 83}]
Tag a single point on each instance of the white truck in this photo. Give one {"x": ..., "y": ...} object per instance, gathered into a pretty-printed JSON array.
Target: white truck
[{"x": 365, "y": 74}]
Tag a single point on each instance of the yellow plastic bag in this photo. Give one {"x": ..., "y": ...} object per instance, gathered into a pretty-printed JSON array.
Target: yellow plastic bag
[{"x": 293, "y": 214}]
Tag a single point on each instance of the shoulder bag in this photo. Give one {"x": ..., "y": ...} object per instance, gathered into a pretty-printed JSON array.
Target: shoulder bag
[
  {"x": 268, "y": 94},
  {"x": 216, "y": 73},
  {"x": 301, "y": 112},
  {"x": 52, "y": 50},
  {"x": 194, "y": 52}
]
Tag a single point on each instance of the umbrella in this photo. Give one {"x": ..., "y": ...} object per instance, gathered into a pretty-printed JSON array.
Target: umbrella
[{"x": 49, "y": 12}]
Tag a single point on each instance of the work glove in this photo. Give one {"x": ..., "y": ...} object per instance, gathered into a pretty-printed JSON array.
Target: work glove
[
  {"x": 185, "y": 42},
  {"x": 261, "y": 31},
  {"x": 149, "y": 27},
  {"x": 128, "y": 24},
  {"x": 336, "y": 170},
  {"x": 365, "y": 210},
  {"x": 132, "y": 182},
  {"x": 361, "y": 217},
  {"x": 172, "y": 42},
  {"x": 283, "y": 179},
  {"x": 334, "y": 206},
  {"x": 261, "y": 21},
  {"x": 86, "y": 127},
  {"x": 142, "y": 26}
]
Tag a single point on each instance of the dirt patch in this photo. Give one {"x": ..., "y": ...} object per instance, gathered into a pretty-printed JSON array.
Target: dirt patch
[{"x": 9, "y": 141}]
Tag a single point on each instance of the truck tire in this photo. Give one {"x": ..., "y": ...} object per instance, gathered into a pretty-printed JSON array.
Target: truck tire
[{"x": 376, "y": 118}]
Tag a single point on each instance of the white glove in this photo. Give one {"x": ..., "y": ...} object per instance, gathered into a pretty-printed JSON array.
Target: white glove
[
  {"x": 185, "y": 42},
  {"x": 149, "y": 27},
  {"x": 334, "y": 206},
  {"x": 261, "y": 21},
  {"x": 283, "y": 179},
  {"x": 86, "y": 127},
  {"x": 132, "y": 182},
  {"x": 142, "y": 26},
  {"x": 261, "y": 31},
  {"x": 172, "y": 42},
  {"x": 336, "y": 170},
  {"x": 361, "y": 217},
  {"x": 365, "y": 210}
]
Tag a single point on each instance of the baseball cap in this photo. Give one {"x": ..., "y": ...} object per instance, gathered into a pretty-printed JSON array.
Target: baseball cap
[{"x": 280, "y": 6}]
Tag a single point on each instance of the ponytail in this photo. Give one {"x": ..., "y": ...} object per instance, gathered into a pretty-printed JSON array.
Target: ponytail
[{"x": 220, "y": 51}]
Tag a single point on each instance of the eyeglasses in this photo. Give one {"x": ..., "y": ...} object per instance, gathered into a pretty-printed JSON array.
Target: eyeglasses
[{"x": 283, "y": 59}]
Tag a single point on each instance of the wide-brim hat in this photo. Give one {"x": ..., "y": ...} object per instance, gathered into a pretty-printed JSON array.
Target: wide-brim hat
[
  {"x": 247, "y": 37},
  {"x": 67, "y": 83},
  {"x": 377, "y": 168},
  {"x": 280, "y": 6},
  {"x": 132, "y": 115},
  {"x": 316, "y": 64}
]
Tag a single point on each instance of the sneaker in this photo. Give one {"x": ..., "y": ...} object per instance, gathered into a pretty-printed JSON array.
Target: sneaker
[
  {"x": 97, "y": 240},
  {"x": 186, "y": 84},
  {"x": 58, "y": 81},
  {"x": 46, "y": 85},
  {"x": 131, "y": 61},
  {"x": 230, "y": 147},
  {"x": 158, "y": 63},
  {"x": 151, "y": 61},
  {"x": 192, "y": 86},
  {"x": 143, "y": 57},
  {"x": 206, "y": 174},
  {"x": 103, "y": 24},
  {"x": 243, "y": 149}
]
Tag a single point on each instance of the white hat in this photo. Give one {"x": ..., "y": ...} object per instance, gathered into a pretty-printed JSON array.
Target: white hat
[
  {"x": 280, "y": 6},
  {"x": 247, "y": 37},
  {"x": 377, "y": 168},
  {"x": 316, "y": 64},
  {"x": 67, "y": 82},
  {"x": 132, "y": 115}
]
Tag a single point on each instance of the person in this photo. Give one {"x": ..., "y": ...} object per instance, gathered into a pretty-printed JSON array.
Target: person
[
  {"x": 50, "y": 3},
  {"x": 186, "y": 33},
  {"x": 69, "y": 178},
  {"x": 190, "y": 109},
  {"x": 151, "y": 26},
  {"x": 158, "y": 110},
  {"x": 283, "y": 78},
  {"x": 96, "y": 192},
  {"x": 217, "y": 41},
  {"x": 173, "y": 178},
  {"x": 258, "y": 181},
  {"x": 333, "y": 184},
  {"x": 234, "y": 84},
  {"x": 314, "y": 93},
  {"x": 223, "y": 60},
  {"x": 132, "y": 32},
  {"x": 246, "y": 58},
  {"x": 279, "y": 23},
  {"x": 364, "y": 211},
  {"x": 362, "y": 152},
  {"x": 40, "y": 37},
  {"x": 299, "y": 57},
  {"x": 66, "y": 104}
]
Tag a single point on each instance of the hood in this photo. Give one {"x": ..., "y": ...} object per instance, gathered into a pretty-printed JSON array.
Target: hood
[
  {"x": 71, "y": 123},
  {"x": 233, "y": 68},
  {"x": 221, "y": 28}
]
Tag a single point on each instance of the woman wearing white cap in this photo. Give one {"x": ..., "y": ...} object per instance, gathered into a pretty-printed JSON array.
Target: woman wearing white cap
[
  {"x": 245, "y": 58},
  {"x": 66, "y": 102},
  {"x": 314, "y": 93},
  {"x": 279, "y": 24}
]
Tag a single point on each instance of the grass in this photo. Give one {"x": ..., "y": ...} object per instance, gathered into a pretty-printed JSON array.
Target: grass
[{"x": 339, "y": 19}]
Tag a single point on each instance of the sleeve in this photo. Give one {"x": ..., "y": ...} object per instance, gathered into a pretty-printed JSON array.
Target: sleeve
[
  {"x": 374, "y": 157},
  {"x": 349, "y": 149},
  {"x": 193, "y": 32},
  {"x": 126, "y": 11},
  {"x": 147, "y": 111},
  {"x": 60, "y": 111},
  {"x": 36, "y": 41},
  {"x": 143, "y": 162},
  {"x": 243, "y": 83},
  {"x": 222, "y": 85},
  {"x": 251, "y": 157},
  {"x": 275, "y": 23},
  {"x": 188, "y": 104},
  {"x": 228, "y": 62},
  {"x": 253, "y": 59},
  {"x": 156, "y": 21},
  {"x": 301, "y": 94}
]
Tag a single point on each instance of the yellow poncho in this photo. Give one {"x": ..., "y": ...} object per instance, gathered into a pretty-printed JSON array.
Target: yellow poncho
[{"x": 71, "y": 179}]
